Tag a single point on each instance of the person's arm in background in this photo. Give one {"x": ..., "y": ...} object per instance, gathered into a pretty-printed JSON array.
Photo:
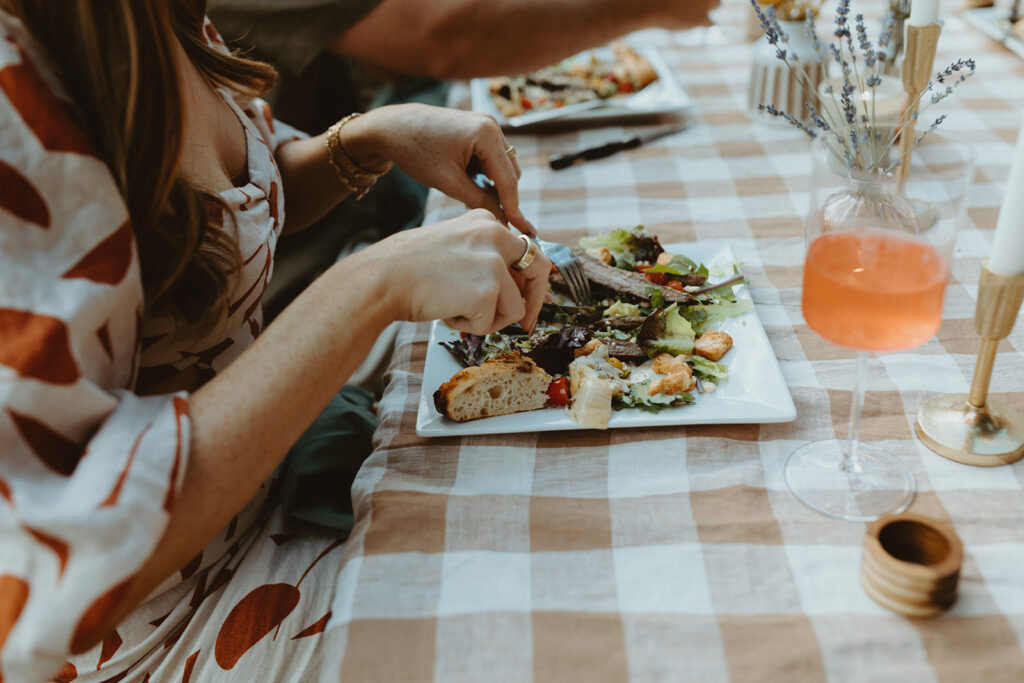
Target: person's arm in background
[{"x": 470, "y": 38}]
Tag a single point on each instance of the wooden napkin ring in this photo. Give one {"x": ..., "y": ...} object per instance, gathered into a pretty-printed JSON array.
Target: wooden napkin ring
[{"x": 911, "y": 564}]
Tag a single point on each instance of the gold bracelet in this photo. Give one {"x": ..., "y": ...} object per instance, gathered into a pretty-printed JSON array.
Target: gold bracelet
[{"x": 354, "y": 177}]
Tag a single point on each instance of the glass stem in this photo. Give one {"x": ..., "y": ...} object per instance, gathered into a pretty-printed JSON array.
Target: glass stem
[{"x": 851, "y": 459}]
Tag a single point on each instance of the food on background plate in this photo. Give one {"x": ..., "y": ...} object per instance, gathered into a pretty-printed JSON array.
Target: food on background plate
[
  {"x": 577, "y": 79},
  {"x": 646, "y": 340}
]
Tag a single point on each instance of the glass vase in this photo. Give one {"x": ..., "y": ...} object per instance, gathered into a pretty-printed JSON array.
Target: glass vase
[{"x": 878, "y": 258}]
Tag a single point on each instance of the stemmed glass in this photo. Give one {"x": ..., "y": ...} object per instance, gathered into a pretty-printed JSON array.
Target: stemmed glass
[{"x": 878, "y": 258}]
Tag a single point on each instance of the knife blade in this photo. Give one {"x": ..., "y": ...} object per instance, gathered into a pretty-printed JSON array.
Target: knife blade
[{"x": 560, "y": 161}]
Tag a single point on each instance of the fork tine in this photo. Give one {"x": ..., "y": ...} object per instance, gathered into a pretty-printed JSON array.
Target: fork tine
[
  {"x": 570, "y": 279},
  {"x": 578, "y": 282},
  {"x": 584, "y": 281}
]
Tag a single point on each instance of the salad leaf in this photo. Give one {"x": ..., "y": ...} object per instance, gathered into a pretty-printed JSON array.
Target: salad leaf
[
  {"x": 627, "y": 246},
  {"x": 557, "y": 350},
  {"x": 666, "y": 330},
  {"x": 639, "y": 397},
  {"x": 703, "y": 316},
  {"x": 681, "y": 266},
  {"x": 710, "y": 370}
]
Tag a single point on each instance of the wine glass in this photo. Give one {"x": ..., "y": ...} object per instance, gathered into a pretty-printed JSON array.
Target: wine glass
[{"x": 878, "y": 258}]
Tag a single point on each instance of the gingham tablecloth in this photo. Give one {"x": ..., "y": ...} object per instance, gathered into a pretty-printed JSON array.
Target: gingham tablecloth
[{"x": 677, "y": 554}]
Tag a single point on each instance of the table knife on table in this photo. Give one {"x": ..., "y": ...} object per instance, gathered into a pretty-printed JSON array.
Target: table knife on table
[{"x": 560, "y": 161}]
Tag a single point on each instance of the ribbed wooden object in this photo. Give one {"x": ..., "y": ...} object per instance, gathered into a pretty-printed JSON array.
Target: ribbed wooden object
[
  {"x": 774, "y": 83},
  {"x": 911, "y": 564}
]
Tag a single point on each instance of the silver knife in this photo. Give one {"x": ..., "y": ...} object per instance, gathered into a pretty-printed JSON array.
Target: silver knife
[{"x": 560, "y": 161}]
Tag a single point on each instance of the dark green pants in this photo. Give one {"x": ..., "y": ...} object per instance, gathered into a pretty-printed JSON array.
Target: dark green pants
[{"x": 319, "y": 469}]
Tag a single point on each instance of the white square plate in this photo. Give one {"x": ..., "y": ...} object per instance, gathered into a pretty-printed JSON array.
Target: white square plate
[
  {"x": 754, "y": 393},
  {"x": 663, "y": 97}
]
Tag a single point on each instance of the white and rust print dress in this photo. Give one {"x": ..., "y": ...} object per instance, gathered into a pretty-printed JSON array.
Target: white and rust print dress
[{"x": 93, "y": 443}]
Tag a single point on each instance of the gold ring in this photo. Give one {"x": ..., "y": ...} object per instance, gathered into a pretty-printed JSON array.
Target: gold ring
[
  {"x": 511, "y": 151},
  {"x": 528, "y": 256}
]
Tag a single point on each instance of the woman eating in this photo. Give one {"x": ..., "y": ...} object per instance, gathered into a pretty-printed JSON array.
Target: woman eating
[{"x": 143, "y": 186}]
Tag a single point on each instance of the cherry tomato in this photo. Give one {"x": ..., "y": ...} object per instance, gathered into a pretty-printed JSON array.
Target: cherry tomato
[
  {"x": 675, "y": 284},
  {"x": 526, "y": 104},
  {"x": 558, "y": 392},
  {"x": 625, "y": 86},
  {"x": 657, "y": 278},
  {"x": 644, "y": 266}
]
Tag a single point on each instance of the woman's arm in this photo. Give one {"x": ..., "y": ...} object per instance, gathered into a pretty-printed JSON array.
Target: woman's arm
[
  {"x": 247, "y": 417},
  {"x": 432, "y": 144}
]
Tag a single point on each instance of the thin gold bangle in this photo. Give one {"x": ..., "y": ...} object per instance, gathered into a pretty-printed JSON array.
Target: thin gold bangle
[{"x": 353, "y": 177}]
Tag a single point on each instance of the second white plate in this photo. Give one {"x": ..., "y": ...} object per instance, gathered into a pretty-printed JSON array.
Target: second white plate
[{"x": 664, "y": 97}]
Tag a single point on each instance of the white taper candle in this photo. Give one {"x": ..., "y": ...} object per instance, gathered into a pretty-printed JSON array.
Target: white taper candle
[
  {"x": 1008, "y": 244},
  {"x": 923, "y": 12}
]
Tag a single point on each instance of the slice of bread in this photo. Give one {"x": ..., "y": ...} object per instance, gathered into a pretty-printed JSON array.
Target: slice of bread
[{"x": 510, "y": 383}]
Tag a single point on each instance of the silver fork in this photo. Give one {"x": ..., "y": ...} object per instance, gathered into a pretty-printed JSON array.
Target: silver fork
[
  {"x": 569, "y": 266},
  {"x": 561, "y": 256}
]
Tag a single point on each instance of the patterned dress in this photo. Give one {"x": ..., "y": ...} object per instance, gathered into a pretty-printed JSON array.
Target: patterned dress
[{"x": 94, "y": 422}]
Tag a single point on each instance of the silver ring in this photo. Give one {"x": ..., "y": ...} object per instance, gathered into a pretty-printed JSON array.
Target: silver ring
[
  {"x": 510, "y": 151},
  {"x": 528, "y": 256}
]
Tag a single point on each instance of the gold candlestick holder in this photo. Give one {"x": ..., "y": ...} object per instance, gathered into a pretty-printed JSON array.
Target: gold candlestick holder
[
  {"x": 919, "y": 58},
  {"x": 972, "y": 428}
]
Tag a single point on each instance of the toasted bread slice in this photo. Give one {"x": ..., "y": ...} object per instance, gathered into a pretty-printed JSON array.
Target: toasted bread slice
[{"x": 510, "y": 383}]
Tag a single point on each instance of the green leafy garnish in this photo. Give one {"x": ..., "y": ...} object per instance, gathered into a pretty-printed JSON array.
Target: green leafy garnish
[
  {"x": 703, "y": 316},
  {"x": 639, "y": 397},
  {"x": 708, "y": 369},
  {"x": 627, "y": 246},
  {"x": 667, "y": 331}
]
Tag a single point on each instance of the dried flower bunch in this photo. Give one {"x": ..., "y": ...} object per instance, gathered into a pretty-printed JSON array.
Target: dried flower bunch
[
  {"x": 793, "y": 10},
  {"x": 848, "y": 120}
]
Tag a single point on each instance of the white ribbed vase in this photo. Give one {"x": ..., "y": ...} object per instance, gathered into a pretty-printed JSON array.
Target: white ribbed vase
[{"x": 772, "y": 82}]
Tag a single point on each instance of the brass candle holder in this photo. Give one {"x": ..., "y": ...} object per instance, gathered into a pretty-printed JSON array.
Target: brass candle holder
[
  {"x": 919, "y": 58},
  {"x": 972, "y": 428}
]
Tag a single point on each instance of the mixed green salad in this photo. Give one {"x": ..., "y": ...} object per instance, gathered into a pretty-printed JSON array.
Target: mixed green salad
[{"x": 633, "y": 323}]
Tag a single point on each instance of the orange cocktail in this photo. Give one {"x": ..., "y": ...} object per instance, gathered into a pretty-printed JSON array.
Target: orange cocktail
[{"x": 873, "y": 290}]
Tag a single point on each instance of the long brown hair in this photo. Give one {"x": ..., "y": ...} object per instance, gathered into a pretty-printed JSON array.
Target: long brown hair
[{"x": 116, "y": 60}]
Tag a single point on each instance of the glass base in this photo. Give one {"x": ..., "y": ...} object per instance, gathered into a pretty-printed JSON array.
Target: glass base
[{"x": 874, "y": 485}]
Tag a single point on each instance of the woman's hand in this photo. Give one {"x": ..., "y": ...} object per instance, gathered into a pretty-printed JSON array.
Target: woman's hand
[
  {"x": 459, "y": 271},
  {"x": 435, "y": 145}
]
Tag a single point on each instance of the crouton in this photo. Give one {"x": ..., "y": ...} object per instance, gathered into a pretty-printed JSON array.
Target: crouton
[
  {"x": 674, "y": 383},
  {"x": 667, "y": 364},
  {"x": 664, "y": 258},
  {"x": 587, "y": 348},
  {"x": 602, "y": 254},
  {"x": 713, "y": 344}
]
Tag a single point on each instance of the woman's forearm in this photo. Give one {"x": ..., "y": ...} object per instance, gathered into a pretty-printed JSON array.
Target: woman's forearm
[
  {"x": 245, "y": 419},
  {"x": 311, "y": 184}
]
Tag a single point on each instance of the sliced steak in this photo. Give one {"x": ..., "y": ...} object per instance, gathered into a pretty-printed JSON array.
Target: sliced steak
[
  {"x": 619, "y": 322},
  {"x": 688, "y": 280},
  {"x": 626, "y": 351},
  {"x": 627, "y": 282}
]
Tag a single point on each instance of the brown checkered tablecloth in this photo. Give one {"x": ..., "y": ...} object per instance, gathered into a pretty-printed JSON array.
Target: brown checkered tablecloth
[{"x": 677, "y": 554}]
